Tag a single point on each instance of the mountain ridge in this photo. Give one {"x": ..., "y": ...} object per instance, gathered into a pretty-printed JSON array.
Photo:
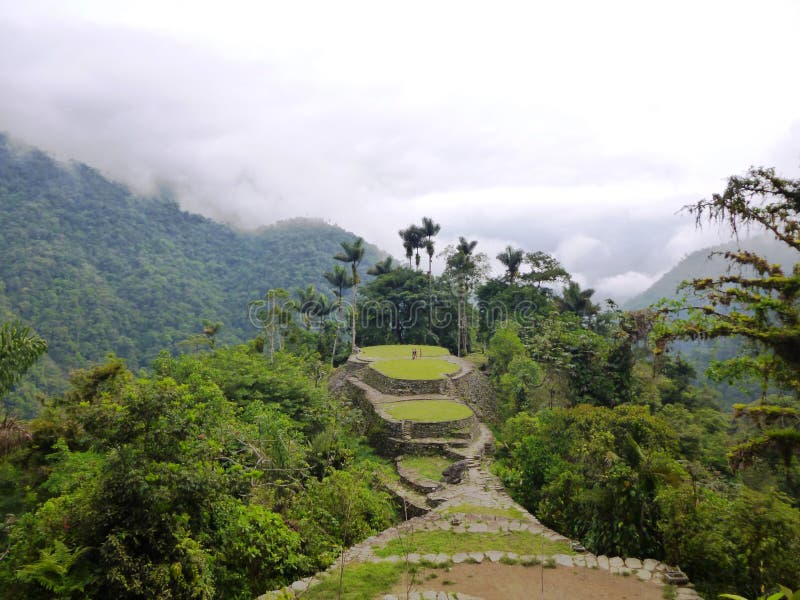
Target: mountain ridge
[
  {"x": 95, "y": 268},
  {"x": 710, "y": 262}
]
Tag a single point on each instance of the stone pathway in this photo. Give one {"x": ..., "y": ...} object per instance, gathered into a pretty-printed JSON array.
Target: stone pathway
[{"x": 480, "y": 490}]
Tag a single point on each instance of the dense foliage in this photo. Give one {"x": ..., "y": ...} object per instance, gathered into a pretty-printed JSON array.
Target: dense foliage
[
  {"x": 608, "y": 439},
  {"x": 218, "y": 475},
  {"x": 232, "y": 470},
  {"x": 96, "y": 269}
]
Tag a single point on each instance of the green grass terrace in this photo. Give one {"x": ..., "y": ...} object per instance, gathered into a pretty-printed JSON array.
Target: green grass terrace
[
  {"x": 402, "y": 351},
  {"x": 422, "y": 368},
  {"x": 429, "y": 411}
]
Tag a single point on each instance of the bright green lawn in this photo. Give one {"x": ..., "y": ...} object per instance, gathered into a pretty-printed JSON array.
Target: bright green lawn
[
  {"x": 447, "y": 542},
  {"x": 425, "y": 368},
  {"x": 402, "y": 351},
  {"x": 362, "y": 581},
  {"x": 427, "y": 410},
  {"x": 429, "y": 467},
  {"x": 488, "y": 511}
]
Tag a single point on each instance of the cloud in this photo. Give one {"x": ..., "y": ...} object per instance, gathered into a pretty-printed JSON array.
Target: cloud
[
  {"x": 624, "y": 285},
  {"x": 515, "y": 123}
]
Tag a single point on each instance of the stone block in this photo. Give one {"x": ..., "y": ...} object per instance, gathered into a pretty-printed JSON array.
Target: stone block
[
  {"x": 564, "y": 560},
  {"x": 494, "y": 555},
  {"x": 633, "y": 563}
]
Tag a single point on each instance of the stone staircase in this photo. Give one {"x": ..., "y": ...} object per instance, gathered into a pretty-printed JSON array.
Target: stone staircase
[{"x": 431, "y": 506}]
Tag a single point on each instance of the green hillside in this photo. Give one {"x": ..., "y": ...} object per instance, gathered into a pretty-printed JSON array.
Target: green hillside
[
  {"x": 708, "y": 262},
  {"x": 96, "y": 269}
]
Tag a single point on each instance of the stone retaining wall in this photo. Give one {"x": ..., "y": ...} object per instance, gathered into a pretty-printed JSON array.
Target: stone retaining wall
[
  {"x": 403, "y": 387},
  {"x": 441, "y": 429},
  {"x": 475, "y": 389}
]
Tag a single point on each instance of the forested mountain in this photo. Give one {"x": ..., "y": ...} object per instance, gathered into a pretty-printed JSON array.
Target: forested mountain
[
  {"x": 98, "y": 269},
  {"x": 710, "y": 262}
]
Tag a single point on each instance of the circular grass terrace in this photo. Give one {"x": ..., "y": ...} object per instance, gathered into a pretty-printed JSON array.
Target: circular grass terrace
[
  {"x": 402, "y": 351},
  {"x": 428, "y": 411},
  {"x": 419, "y": 369}
]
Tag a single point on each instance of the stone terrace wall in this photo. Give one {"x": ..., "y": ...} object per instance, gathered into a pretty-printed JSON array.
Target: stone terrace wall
[
  {"x": 441, "y": 429},
  {"x": 403, "y": 387},
  {"x": 476, "y": 390}
]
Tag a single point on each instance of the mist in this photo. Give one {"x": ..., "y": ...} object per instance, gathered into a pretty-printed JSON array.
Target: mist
[{"x": 579, "y": 130}]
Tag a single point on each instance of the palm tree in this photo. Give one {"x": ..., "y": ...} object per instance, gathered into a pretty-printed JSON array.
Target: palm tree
[
  {"x": 20, "y": 347},
  {"x": 413, "y": 240},
  {"x": 307, "y": 303},
  {"x": 464, "y": 247},
  {"x": 512, "y": 260},
  {"x": 353, "y": 254},
  {"x": 462, "y": 265},
  {"x": 429, "y": 229},
  {"x": 340, "y": 281},
  {"x": 382, "y": 267},
  {"x": 578, "y": 301}
]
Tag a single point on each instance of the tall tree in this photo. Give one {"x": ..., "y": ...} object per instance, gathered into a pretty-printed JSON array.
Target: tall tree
[
  {"x": 511, "y": 258},
  {"x": 574, "y": 299},
  {"x": 760, "y": 303},
  {"x": 312, "y": 305},
  {"x": 429, "y": 229},
  {"x": 353, "y": 254},
  {"x": 465, "y": 268},
  {"x": 340, "y": 280},
  {"x": 413, "y": 239},
  {"x": 544, "y": 269},
  {"x": 382, "y": 267}
]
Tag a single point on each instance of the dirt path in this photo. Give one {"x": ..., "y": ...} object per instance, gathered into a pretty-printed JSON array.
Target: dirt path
[
  {"x": 478, "y": 504},
  {"x": 502, "y": 582}
]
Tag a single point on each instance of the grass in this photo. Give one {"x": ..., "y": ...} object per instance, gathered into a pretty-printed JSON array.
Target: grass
[
  {"x": 429, "y": 467},
  {"x": 427, "y": 410},
  {"x": 447, "y": 542},
  {"x": 424, "y": 368},
  {"x": 402, "y": 351},
  {"x": 362, "y": 581},
  {"x": 488, "y": 511}
]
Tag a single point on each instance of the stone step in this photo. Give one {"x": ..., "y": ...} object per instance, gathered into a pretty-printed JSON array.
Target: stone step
[{"x": 410, "y": 502}]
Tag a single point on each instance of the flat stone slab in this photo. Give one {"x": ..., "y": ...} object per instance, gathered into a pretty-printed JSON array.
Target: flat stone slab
[
  {"x": 650, "y": 564},
  {"x": 430, "y": 558},
  {"x": 459, "y": 558},
  {"x": 616, "y": 562},
  {"x": 303, "y": 584},
  {"x": 564, "y": 560},
  {"x": 644, "y": 574},
  {"x": 603, "y": 562},
  {"x": 477, "y": 556},
  {"x": 494, "y": 555},
  {"x": 478, "y": 528}
]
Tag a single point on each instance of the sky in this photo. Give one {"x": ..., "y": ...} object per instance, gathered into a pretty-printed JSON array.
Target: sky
[{"x": 579, "y": 128}]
